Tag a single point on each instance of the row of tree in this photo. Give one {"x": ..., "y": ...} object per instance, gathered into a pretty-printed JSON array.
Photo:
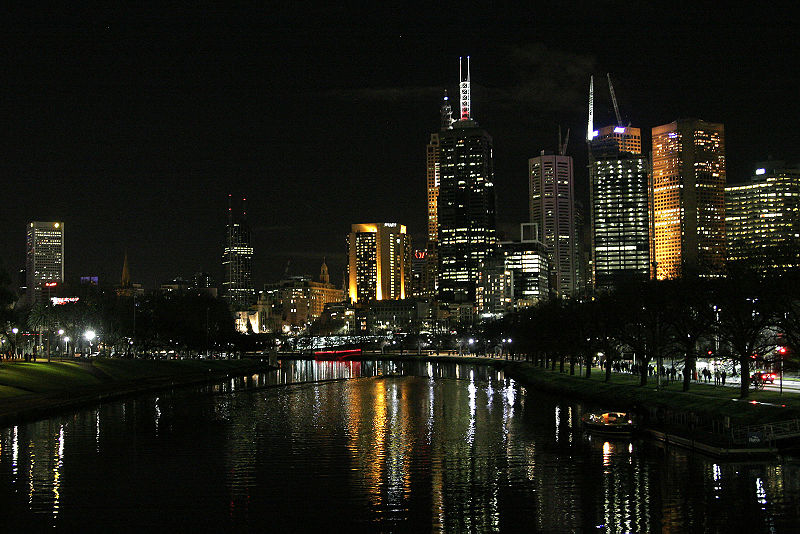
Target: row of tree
[
  {"x": 743, "y": 318},
  {"x": 185, "y": 323}
]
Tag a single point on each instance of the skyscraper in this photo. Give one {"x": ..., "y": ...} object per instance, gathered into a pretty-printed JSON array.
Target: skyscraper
[
  {"x": 552, "y": 208},
  {"x": 618, "y": 182},
  {"x": 688, "y": 198},
  {"x": 237, "y": 261},
  {"x": 44, "y": 258},
  {"x": 379, "y": 262},
  {"x": 466, "y": 203},
  {"x": 762, "y": 218}
]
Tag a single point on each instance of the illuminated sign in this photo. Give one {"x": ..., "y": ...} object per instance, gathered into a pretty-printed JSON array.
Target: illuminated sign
[
  {"x": 595, "y": 134},
  {"x": 51, "y": 284},
  {"x": 761, "y": 171},
  {"x": 58, "y": 301},
  {"x": 619, "y": 129},
  {"x": 421, "y": 254},
  {"x": 390, "y": 225}
]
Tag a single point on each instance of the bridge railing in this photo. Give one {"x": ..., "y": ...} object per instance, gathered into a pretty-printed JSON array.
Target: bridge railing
[{"x": 766, "y": 433}]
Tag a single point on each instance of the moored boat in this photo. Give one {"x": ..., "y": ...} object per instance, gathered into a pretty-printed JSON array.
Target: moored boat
[{"x": 612, "y": 423}]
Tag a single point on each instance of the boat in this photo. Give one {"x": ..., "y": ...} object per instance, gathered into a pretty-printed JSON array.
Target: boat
[{"x": 610, "y": 423}]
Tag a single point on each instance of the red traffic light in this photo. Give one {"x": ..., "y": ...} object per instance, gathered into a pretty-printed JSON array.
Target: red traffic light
[{"x": 782, "y": 350}]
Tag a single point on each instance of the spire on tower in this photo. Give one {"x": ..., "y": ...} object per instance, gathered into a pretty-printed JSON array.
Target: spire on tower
[
  {"x": 465, "y": 90},
  {"x": 126, "y": 275},
  {"x": 446, "y": 113},
  {"x": 590, "y": 131},
  {"x": 324, "y": 277}
]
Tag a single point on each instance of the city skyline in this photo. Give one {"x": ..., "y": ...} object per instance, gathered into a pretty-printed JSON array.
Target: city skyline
[{"x": 150, "y": 121}]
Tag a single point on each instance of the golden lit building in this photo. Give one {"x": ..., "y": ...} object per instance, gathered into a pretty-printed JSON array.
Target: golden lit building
[
  {"x": 433, "y": 174},
  {"x": 687, "y": 196},
  {"x": 762, "y": 218},
  {"x": 294, "y": 302},
  {"x": 379, "y": 263}
]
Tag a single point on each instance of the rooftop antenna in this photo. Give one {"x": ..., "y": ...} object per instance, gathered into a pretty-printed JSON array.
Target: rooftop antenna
[
  {"x": 562, "y": 149},
  {"x": 590, "y": 131},
  {"x": 230, "y": 210},
  {"x": 465, "y": 91},
  {"x": 244, "y": 208},
  {"x": 614, "y": 99}
]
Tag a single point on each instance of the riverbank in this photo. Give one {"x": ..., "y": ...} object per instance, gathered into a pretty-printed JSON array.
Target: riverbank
[{"x": 31, "y": 390}]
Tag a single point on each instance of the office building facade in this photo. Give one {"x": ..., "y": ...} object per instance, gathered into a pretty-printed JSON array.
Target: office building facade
[
  {"x": 552, "y": 209},
  {"x": 762, "y": 219},
  {"x": 688, "y": 198},
  {"x": 44, "y": 265},
  {"x": 620, "y": 221},
  {"x": 466, "y": 203},
  {"x": 379, "y": 262},
  {"x": 237, "y": 260}
]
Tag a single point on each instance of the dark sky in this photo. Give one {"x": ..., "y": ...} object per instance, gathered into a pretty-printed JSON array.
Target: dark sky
[{"x": 133, "y": 127}]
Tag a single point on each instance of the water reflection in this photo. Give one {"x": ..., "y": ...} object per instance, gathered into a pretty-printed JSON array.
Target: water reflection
[{"x": 365, "y": 446}]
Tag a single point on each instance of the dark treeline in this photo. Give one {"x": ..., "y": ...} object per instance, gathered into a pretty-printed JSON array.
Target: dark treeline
[
  {"x": 742, "y": 318},
  {"x": 145, "y": 325}
]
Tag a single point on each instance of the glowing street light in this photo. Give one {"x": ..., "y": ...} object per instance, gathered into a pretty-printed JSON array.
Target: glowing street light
[
  {"x": 15, "y": 331},
  {"x": 89, "y": 335}
]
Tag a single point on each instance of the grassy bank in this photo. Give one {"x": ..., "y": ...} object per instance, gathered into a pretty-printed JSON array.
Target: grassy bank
[
  {"x": 29, "y": 390},
  {"x": 624, "y": 392}
]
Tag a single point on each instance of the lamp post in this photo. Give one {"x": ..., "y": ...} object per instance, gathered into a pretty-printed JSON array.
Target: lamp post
[
  {"x": 15, "y": 331},
  {"x": 89, "y": 335},
  {"x": 66, "y": 344},
  {"x": 61, "y": 333}
]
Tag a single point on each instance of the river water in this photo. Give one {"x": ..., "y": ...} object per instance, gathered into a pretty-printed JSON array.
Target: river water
[{"x": 370, "y": 447}]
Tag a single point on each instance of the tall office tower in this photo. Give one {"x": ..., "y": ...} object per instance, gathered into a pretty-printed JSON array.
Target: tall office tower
[
  {"x": 618, "y": 185},
  {"x": 466, "y": 205},
  {"x": 44, "y": 259},
  {"x": 552, "y": 208},
  {"x": 688, "y": 198},
  {"x": 379, "y": 266},
  {"x": 431, "y": 257},
  {"x": 762, "y": 218},
  {"x": 237, "y": 261}
]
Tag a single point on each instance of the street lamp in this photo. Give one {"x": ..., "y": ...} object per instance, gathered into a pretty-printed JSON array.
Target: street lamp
[
  {"x": 66, "y": 344},
  {"x": 15, "y": 331},
  {"x": 89, "y": 335}
]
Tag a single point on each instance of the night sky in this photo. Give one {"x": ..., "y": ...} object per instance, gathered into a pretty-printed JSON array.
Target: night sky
[{"x": 133, "y": 127}]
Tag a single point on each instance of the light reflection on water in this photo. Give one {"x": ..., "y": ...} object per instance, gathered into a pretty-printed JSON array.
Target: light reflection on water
[{"x": 370, "y": 446}]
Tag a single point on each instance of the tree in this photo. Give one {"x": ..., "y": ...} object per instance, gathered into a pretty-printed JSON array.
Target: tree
[
  {"x": 746, "y": 312},
  {"x": 691, "y": 317}
]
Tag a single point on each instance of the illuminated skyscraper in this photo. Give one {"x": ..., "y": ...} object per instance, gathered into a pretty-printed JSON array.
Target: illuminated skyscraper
[
  {"x": 466, "y": 203},
  {"x": 618, "y": 181},
  {"x": 237, "y": 261},
  {"x": 379, "y": 266},
  {"x": 688, "y": 198},
  {"x": 552, "y": 209},
  {"x": 762, "y": 218},
  {"x": 44, "y": 258}
]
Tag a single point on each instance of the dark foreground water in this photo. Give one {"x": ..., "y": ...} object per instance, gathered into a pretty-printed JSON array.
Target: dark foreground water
[{"x": 421, "y": 447}]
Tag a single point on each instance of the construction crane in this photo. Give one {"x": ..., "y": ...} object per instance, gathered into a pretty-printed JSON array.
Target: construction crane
[{"x": 614, "y": 99}]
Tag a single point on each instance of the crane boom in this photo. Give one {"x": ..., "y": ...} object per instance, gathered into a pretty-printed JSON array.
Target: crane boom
[{"x": 614, "y": 99}]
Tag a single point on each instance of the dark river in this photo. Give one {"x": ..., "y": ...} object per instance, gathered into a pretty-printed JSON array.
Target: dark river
[{"x": 411, "y": 447}]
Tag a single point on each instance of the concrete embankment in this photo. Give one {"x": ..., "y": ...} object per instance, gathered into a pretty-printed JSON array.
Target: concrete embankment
[{"x": 30, "y": 391}]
